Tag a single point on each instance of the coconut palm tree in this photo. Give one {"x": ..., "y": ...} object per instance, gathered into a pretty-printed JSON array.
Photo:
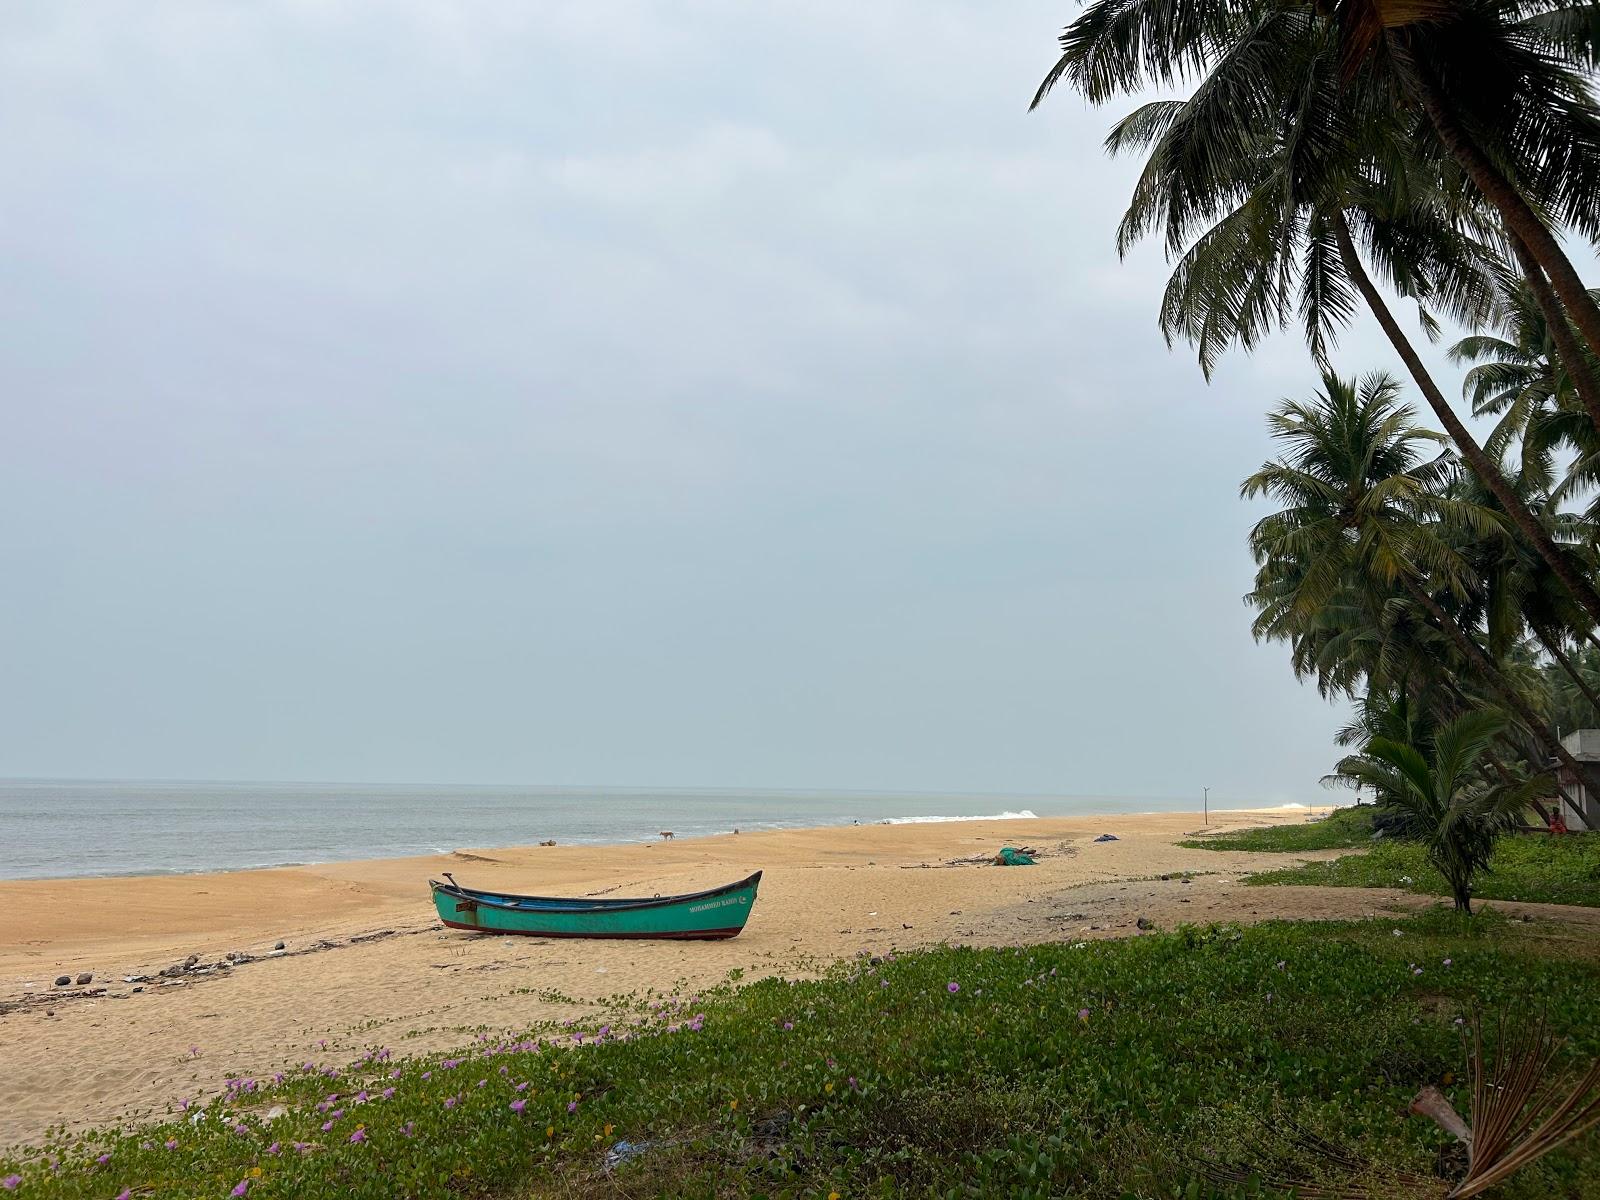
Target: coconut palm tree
[
  {"x": 1499, "y": 89},
  {"x": 1364, "y": 513},
  {"x": 1455, "y": 803},
  {"x": 1289, "y": 164},
  {"x": 1504, "y": 87},
  {"x": 1521, "y": 377}
]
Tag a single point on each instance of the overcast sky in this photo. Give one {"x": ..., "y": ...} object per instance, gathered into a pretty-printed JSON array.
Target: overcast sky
[{"x": 691, "y": 394}]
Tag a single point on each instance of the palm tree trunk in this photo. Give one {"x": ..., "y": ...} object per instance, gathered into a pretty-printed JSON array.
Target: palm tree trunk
[
  {"x": 1482, "y": 467},
  {"x": 1553, "y": 647},
  {"x": 1519, "y": 217},
  {"x": 1508, "y": 779},
  {"x": 1493, "y": 676},
  {"x": 1571, "y": 354}
]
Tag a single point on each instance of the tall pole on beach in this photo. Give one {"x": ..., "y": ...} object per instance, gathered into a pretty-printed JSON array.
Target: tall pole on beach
[{"x": 1205, "y": 803}]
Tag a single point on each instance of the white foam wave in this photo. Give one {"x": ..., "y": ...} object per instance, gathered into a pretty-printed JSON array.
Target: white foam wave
[{"x": 1024, "y": 815}]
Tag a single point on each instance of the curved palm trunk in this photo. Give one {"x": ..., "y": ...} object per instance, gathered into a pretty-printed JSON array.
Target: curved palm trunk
[
  {"x": 1508, "y": 779},
  {"x": 1553, "y": 648},
  {"x": 1482, "y": 467},
  {"x": 1571, "y": 354},
  {"x": 1493, "y": 676},
  {"x": 1520, "y": 219}
]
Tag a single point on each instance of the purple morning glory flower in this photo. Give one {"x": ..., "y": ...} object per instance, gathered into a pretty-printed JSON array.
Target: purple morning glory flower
[
  {"x": 572, "y": 1106},
  {"x": 273, "y": 1149},
  {"x": 952, "y": 987},
  {"x": 409, "y": 1128},
  {"x": 449, "y": 1101},
  {"x": 241, "y": 1189},
  {"x": 11, "y": 1182},
  {"x": 172, "y": 1143},
  {"x": 518, "y": 1105},
  {"x": 103, "y": 1159},
  {"x": 359, "y": 1136},
  {"x": 1083, "y": 1014},
  {"x": 327, "y": 1125},
  {"x": 387, "y": 1093}
]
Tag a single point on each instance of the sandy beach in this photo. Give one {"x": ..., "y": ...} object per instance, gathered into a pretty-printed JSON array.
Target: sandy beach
[{"x": 365, "y": 961}]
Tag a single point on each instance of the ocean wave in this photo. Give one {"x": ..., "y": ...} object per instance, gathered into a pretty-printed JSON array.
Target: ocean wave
[{"x": 1022, "y": 815}]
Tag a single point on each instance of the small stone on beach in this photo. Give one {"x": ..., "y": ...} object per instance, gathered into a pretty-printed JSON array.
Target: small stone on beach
[
  {"x": 277, "y": 945},
  {"x": 63, "y": 980},
  {"x": 85, "y": 977}
]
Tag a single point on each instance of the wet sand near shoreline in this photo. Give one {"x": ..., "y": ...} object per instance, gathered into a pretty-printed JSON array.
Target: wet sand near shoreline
[{"x": 366, "y": 962}]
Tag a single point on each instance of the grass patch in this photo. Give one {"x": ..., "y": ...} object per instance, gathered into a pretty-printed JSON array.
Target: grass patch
[
  {"x": 1096, "y": 1070},
  {"x": 1341, "y": 828},
  {"x": 1547, "y": 870}
]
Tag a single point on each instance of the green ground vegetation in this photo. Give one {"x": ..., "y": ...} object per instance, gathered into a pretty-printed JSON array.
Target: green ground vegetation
[
  {"x": 1532, "y": 867},
  {"x": 1339, "y": 829},
  {"x": 1106, "y": 1069}
]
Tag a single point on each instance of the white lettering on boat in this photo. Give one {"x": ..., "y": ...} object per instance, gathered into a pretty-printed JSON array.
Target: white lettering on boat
[{"x": 695, "y": 908}]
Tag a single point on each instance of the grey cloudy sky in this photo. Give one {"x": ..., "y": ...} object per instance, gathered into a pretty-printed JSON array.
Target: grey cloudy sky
[{"x": 698, "y": 394}]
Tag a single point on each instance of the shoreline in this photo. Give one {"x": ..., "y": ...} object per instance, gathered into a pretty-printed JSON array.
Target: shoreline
[
  {"x": 366, "y": 961},
  {"x": 1291, "y": 809}
]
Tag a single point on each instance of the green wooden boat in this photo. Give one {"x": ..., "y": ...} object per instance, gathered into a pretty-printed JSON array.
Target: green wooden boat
[{"x": 718, "y": 913}]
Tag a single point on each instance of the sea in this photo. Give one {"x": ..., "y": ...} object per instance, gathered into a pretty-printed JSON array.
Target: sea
[{"x": 63, "y": 828}]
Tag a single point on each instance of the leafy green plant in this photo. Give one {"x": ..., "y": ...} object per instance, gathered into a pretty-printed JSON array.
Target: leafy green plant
[
  {"x": 1456, "y": 807},
  {"x": 1536, "y": 868}
]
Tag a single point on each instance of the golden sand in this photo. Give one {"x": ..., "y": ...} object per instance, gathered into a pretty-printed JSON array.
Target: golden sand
[{"x": 66, "y": 1056}]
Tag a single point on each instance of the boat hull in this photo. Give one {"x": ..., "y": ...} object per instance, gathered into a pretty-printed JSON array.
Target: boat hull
[{"x": 718, "y": 913}]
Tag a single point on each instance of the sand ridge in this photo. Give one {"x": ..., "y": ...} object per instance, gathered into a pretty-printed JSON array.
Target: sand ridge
[{"x": 826, "y": 893}]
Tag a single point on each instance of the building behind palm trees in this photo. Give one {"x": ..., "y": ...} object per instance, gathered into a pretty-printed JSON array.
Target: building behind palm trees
[{"x": 1580, "y": 798}]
